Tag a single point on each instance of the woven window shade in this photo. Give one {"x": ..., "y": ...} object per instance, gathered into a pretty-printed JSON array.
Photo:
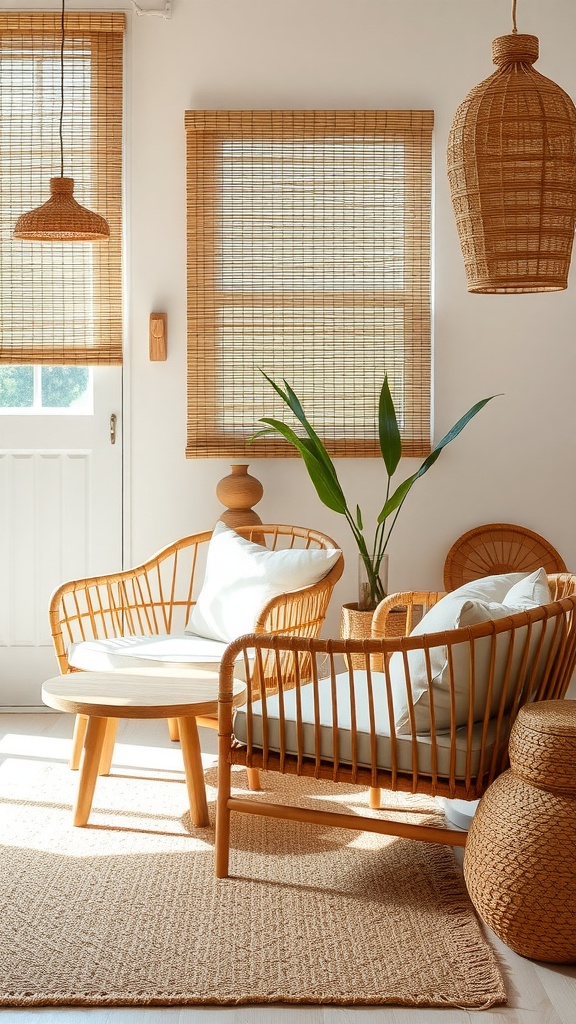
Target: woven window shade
[
  {"x": 308, "y": 258},
  {"x": 61, "y": 302}
]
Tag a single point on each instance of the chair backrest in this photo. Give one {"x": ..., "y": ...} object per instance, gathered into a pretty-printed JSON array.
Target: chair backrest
[
  {"x": 158, "y": 595},
  {"x": 332, "y": 727},
  {"x": 497, "y": 548}
]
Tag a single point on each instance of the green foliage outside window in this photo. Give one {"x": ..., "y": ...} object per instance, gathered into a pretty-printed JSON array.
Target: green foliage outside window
[
  {"x": 16, "y": 387},
  {"x": 62, "y": 385},
  {"x": 59, "y": 386}
]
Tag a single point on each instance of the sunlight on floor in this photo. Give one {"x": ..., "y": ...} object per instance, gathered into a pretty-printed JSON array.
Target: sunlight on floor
[
  {"x": 145, "y": 791},
  {"x": 147, "y": 756},
  {"x": 34, "y": 745}
]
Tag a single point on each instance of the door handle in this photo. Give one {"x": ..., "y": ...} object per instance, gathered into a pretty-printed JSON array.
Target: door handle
[{"x": 113, "y": 422}]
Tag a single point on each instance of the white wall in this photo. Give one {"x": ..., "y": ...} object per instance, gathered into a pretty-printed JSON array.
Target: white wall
[{"x": 516, "y": 462}]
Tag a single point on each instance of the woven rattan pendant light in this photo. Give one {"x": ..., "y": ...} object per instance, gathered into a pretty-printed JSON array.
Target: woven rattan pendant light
[
  {"x": 512, "y": 174},
  {"x": 61, "y": 218}
]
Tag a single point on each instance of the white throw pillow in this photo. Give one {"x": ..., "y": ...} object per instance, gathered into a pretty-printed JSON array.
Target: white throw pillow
[
  {"x": 479, "y": 601},
  {"x": 529, "y": 592},
  {"x": 241, "y": 577}
]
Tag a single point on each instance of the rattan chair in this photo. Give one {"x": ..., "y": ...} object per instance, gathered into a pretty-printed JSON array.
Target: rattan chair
[
  {"x": 527, "y": 656},
  {"x": 156, "y": 598},
  {"x": 498, "y": 548}
]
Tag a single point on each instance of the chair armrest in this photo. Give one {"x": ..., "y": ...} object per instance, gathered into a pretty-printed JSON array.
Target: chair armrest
[
  {"x": 398, "y": 613},
  {"x": 300, "y": 612},
  {"x": 88, "y": 609},
  {"x": 562, "y": 584},
  {"x": 154, "y": 597}
]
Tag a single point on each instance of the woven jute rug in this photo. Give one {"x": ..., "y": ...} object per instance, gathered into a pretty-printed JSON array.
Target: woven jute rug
[{"x": 127, "y": 911}]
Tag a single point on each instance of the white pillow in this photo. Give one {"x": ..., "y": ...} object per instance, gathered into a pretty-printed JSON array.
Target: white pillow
[
  {"x": 479, "y": 601},
  {"x": 529, "y": 592},
  {"x": 241, "y": 577}
]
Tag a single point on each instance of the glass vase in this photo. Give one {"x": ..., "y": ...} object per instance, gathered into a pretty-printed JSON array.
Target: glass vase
[{"x": 369, "y": 592}]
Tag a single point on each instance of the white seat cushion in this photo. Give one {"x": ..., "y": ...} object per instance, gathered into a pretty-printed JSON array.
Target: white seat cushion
[
  {"x": 403, "y": 744},
  {"x": 242, "y": 577},
  {"x": 144, "y": 652}
]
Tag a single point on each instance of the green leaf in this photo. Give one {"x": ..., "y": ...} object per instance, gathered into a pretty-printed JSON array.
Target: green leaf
[
  {"x": 260, "y": 433},
  {"x": 323, "y": 473},
  {"x": 330, "y": 495},
  {"x": 457, "y": 428},
  {"x": 291, "y": 400},
  {"x": 401, "y": 492},
  {"x": 388, "y": 430},
  {"x": 396, "y": 499},
  {"x": 293, "y": 403}
]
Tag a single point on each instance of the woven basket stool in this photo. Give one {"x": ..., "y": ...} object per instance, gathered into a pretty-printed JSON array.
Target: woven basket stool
[{"x": 520, "y": 857}]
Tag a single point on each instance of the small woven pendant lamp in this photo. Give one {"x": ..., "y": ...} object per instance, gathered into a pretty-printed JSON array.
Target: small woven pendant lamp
[
  {"x": 61, "y": 218},
  {"x": 512, "y": 173}
]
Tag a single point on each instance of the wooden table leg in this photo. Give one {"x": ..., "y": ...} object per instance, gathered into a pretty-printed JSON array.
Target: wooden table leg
[
  {"x": 78, "y": 741},
  {"x": 173, "y": 729},
  {"x": 108, "y": 747},
  {"x": 93, "y": 743},
  {"x": 192, "y": 757}
]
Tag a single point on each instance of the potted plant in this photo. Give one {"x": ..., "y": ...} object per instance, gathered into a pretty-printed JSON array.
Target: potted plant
[{"x": 322, "y": 472}]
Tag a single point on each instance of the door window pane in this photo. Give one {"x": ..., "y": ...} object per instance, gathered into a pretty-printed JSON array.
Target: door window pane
[
  {"x": 64, "y": 387},
  {"x": 16, "y": 387},
  {"x": 46, "y": 389}
]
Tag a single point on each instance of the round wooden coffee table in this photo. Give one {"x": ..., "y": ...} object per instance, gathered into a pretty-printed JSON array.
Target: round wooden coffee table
[{"x": 105, "y": 697}]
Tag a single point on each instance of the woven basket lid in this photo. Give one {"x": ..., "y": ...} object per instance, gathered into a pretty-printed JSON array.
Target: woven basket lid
[{"x": 543, "y": 745}]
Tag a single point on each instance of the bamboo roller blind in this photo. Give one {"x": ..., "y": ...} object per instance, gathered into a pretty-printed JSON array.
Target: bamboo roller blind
[
  {"x": 308, "y": 241},
  {"x": 61, "y": 302}
]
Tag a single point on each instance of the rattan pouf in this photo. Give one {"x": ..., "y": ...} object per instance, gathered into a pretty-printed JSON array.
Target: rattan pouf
[{"x": 520, "y": 857}]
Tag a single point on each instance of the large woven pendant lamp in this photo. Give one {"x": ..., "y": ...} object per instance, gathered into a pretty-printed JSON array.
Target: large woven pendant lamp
[
  {"x": 61, "y": 218},
  {"x": 512, "y": 174}
]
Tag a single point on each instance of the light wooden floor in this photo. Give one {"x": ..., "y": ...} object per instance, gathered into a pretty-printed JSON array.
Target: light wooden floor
[{"x": 538, "y": 994}]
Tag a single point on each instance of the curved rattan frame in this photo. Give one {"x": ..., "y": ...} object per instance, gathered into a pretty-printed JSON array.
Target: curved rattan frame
[
  {"x": 498, "y": 548},
  {"x": 544, "y": 637},
  {"x": 158, "y": 596}
]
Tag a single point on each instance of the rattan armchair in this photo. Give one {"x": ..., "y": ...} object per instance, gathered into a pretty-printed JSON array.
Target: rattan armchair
[
  {"x": 498, "y": 548},
  {"x": 341, "y": 725},
  {"x": 155, "y": 599}
]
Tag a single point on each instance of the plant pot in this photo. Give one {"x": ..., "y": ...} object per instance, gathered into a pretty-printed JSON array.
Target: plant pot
[{"x": 356, "y": 624}]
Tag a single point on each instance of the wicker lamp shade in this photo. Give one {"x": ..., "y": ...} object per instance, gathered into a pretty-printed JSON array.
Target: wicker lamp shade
[
  {"x": 61, "y": 218},
  {"x": 512, "y": 174}
]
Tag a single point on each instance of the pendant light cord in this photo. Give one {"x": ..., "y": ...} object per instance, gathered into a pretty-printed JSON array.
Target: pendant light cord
[
  {"x": 514, "y": 25},
  {"x": 62, "y": 94}
]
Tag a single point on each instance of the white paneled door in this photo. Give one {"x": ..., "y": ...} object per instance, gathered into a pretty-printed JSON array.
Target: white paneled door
[{"x": 60, "y": 506}]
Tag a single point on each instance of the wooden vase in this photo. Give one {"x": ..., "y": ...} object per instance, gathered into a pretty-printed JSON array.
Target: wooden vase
[{"x": 239, "y": 491}]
